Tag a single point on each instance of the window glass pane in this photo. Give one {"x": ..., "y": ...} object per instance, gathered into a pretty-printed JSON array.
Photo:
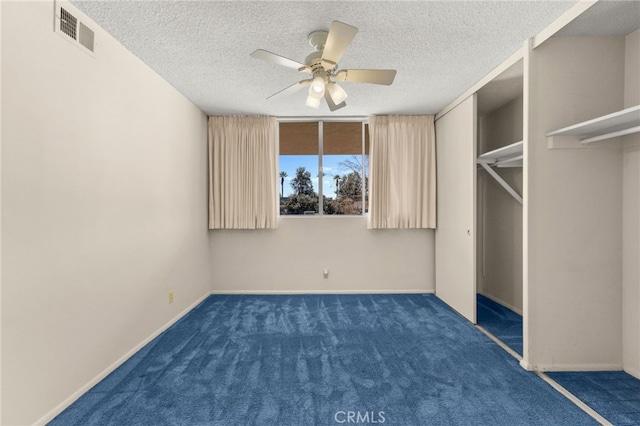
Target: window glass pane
[
  {"x": 366, "y": 168},
  {"x": 343, "y": 184},
  {"x": 366, "y": 183},
  {"x": 342, "y": 160},
  {"x": 300, "y": 185}
]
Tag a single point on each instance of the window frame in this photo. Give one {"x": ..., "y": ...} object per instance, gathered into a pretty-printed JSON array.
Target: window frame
[{"x": 320, "y": 121}]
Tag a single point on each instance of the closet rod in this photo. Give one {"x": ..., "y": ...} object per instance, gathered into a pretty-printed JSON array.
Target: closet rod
[{"x": 624, "y": 132}]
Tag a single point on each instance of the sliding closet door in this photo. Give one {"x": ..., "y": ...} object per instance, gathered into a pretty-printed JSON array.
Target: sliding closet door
[{"x": 455, "y": 234}]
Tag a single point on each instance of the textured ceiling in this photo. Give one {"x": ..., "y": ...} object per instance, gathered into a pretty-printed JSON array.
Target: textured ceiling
[
  {"x": 439, "y": 48},
  {"x": 605, "y": 18}
]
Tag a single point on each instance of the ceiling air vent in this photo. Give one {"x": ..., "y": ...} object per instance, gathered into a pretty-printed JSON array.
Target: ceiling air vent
[
  {"x": 70, "y": 26},
  {"x": 68, "y": 23}
]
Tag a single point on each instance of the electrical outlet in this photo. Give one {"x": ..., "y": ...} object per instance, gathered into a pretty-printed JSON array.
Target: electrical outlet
[{"x": 170, "y": 297}]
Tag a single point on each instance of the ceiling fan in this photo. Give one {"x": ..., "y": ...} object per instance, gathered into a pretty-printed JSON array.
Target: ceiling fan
[{"x": 322, "y": 64}]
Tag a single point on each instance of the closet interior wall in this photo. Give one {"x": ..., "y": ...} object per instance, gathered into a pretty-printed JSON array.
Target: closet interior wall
[
  {"x": 499, "y": 269},
  {"x": 573, "y": 219}
]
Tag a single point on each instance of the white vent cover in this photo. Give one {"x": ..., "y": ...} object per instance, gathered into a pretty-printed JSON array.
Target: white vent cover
[
  {"x": 68, "y": 23},
  {"x": 71, "y": 28},
  {"x": 86, "y": 36}
]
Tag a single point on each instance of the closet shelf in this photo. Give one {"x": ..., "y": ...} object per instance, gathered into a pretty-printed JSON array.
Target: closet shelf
[
  {"x": 507, "y": 156},
  {"x": 608, "y": 126}
]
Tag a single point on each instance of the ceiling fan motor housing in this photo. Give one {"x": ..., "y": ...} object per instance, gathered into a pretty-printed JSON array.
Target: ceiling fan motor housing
[
  {"x": 317, "y": 39},
  {"x": 314, "y": 62}
]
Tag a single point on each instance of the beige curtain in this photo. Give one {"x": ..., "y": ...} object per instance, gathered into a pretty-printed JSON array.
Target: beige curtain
[
  {"x": 402, "y": 172},
  {"x": 243, "y": 178}
]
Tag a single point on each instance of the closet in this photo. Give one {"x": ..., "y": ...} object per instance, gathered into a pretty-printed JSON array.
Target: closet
[
  {"x": 554, "y": 234},
  {"x": 582, "y": 194}
]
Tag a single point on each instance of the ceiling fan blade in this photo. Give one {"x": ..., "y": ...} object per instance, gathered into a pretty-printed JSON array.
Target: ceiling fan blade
[
  {"x": 291, "y": 89},
  {"x": 331, "y": 104},
  {"x": 340, "y": 35},
  {"x": 367, "y": 76},
  {"x": 277, "y": 59}
]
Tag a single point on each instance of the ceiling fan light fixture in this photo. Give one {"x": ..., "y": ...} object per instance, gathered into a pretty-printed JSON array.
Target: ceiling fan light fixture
[
  {"x": 321, "y": 67},
  {"x": 337, "y": 93},
  {"x": 316, "y": 89},
  {"x": 313, "y": 102}
]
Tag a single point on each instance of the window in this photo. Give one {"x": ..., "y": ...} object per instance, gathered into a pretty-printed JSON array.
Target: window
[{"x": 323, "y": 168}]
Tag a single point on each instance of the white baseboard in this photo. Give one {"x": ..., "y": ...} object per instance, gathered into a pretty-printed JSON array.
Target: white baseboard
[
  {"x": 502, "y": 302},
  {"x": 580, "y": 367},
  {"x": 297, "y": 292},
  {"x": 570, "y": 367},
  {"x": 527, "y": 366},
  {"x": 77, "y": 394}
]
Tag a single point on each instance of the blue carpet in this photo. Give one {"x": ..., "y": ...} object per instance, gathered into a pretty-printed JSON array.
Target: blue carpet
[
  {"x": 615, "y": 395},
  {"x": 313, "y": 359},
  {"x": 502, "y": 322}
]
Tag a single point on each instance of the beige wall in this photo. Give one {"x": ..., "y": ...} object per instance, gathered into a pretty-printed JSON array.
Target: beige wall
[
  {"x": 573, "y": 198},
  {"x": 631, "y": 215},
  {"x": 292, "y": 258},
  {"x": 103, "y": 209},
  {"x": 499, "y": 214}
]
